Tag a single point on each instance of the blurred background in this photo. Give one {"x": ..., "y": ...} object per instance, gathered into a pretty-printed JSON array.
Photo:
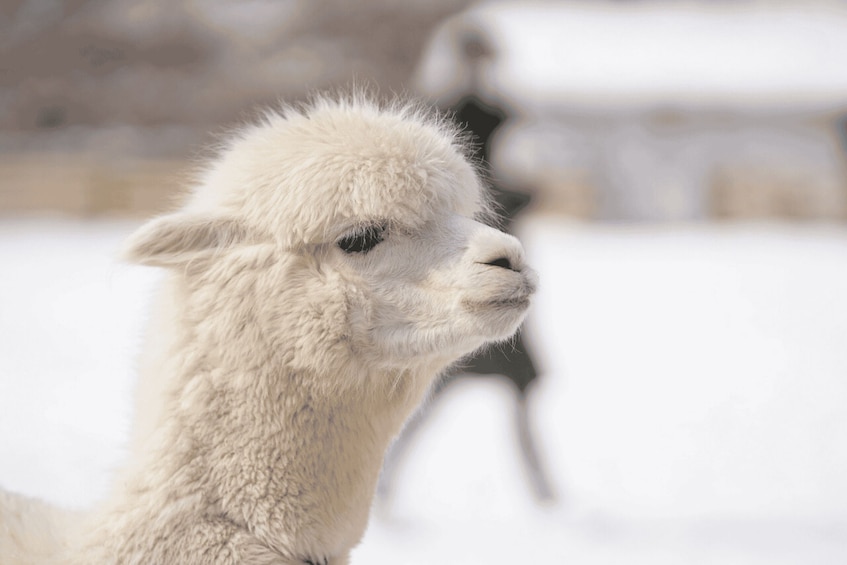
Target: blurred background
[{"x": 685, "y": 166}]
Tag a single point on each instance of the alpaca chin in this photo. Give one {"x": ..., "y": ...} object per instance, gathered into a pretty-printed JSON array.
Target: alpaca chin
[
  {"x": 501, "y": 317},
  {"x": 501, "y": 305}
]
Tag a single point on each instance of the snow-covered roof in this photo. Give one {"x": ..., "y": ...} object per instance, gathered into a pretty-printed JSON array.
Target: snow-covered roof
[{"x": 700, "y": 53}]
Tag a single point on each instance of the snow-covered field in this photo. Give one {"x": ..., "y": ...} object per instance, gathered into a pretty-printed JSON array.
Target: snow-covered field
[{"x": 693, "y": 407}]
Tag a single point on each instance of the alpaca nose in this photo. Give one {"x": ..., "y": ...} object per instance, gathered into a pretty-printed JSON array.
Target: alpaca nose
[
  {"x": 490, "y": 247},
  {"x": 502, "y": 262},
  {"x": 497, "y": 249}
]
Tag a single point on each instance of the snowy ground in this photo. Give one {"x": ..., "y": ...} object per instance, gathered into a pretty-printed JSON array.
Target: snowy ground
[{"x": 692, "y": 408}]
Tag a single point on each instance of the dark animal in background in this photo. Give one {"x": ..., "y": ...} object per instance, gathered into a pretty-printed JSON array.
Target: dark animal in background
[{"x": 512, "y": 360}]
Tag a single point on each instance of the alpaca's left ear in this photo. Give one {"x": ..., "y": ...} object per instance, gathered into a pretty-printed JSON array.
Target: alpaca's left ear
[{"x": 178, "y": 238}]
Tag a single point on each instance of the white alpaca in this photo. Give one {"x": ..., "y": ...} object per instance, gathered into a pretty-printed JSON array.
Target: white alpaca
[{"x": 327, "y": 267}]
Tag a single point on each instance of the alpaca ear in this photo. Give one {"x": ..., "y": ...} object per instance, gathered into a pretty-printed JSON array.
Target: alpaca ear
[{"x": 178, "y": 238}]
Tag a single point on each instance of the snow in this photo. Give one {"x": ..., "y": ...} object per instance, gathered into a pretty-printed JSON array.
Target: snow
[{"x": 691, "y": 408}]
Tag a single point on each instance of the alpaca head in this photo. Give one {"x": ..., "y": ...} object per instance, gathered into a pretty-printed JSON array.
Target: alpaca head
[{"x": 342, "y": 237}]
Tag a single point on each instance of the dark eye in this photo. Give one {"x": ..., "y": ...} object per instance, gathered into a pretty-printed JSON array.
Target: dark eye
[{"x": 363, "y": 239}]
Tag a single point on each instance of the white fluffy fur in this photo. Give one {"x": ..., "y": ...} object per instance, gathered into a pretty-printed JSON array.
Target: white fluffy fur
[{"x": 281, "y": 366}]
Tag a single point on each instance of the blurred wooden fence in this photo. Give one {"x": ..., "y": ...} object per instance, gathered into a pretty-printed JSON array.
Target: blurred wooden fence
[
  {"x": 80, "y": 187},
  {"x": 35, "y": 184}
]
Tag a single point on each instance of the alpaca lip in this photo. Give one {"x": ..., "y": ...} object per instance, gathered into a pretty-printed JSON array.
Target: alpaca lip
[{"x": 516, "y": 302}]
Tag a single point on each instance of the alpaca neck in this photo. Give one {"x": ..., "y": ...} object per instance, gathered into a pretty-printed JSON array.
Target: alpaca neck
[
  {"x": 269, "y": 447},
  {"x": 281, "y": 459}
]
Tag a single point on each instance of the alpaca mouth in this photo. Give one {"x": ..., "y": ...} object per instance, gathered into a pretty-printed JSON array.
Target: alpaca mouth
[
  {"x": 516, "y": 298},
  {"x": 510, "y": 303},
  {"x": 519, "y": 302}
]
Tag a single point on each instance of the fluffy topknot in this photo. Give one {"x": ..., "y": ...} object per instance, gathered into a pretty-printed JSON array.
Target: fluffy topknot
[{"x": 304, "y": 174}]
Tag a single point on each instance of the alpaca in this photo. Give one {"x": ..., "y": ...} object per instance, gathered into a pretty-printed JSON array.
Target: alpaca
[{"x": 328, "y": 266}]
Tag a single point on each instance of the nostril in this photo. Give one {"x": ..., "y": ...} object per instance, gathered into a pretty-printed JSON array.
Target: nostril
[{"x": 502, "y": 262}]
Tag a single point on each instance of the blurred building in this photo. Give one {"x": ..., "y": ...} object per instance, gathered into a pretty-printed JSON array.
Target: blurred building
[
  {"x": 102, "y": 102},
  {"x": 621, "y": 110},
  {"x": 666, "y": 111}
]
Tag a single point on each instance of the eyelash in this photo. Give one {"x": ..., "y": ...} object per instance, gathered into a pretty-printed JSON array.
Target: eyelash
[{"x": 362, "y": 240}]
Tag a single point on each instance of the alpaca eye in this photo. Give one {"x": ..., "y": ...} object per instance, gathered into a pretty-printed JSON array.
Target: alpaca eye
[{"x": 363, "y": 240}]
